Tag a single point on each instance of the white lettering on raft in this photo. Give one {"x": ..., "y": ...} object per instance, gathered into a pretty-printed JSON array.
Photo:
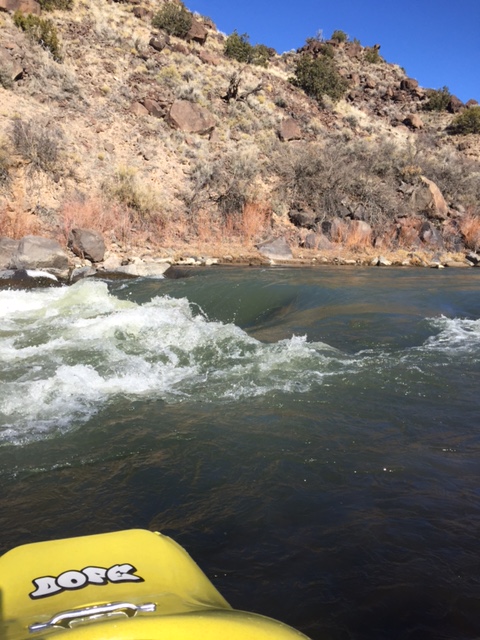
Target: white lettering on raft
[{"x": 71, "y": 580}]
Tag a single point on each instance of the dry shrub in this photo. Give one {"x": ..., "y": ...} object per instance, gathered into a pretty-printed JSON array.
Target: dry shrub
[
  {"x": 256, "y": 217},
  {"x": 107, "y": 218},
  {"x": 336, "y": 176},
  {"x": 356, "y": 237},
  {"x": 39, "y": 143},
  {"x": 469, "y": 226},
  {"x": 251, "y": 224},
  {"x": 17, "y": 224}
]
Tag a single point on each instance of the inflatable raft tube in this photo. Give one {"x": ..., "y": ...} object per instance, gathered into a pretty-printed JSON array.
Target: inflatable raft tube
[{"x": 128, "y": 585}]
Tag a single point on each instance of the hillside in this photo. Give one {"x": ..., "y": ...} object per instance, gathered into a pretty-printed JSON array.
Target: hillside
[{"x": 168, "y": 146}]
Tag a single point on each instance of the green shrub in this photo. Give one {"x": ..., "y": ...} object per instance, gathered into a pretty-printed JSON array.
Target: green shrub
[
  {"x": 372, "y": 56},
  {"x": 466, "y": 122},
  {"x": 51, "y": 5},
  {"x": 339, "y": 36},
  {"x": 173, "y": 18},
  {"x": 40, "y": 30},
  {"x": 238, "y": 47},
  {"x": 319, "y": 77},
  {"x": 438, "y": 99}
]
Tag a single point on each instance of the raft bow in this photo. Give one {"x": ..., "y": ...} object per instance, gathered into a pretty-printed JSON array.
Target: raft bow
[{"x": 128, "y": 585}]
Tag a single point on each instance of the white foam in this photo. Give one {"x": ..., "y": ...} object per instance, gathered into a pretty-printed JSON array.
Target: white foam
[{"x": 65, "y": 353}]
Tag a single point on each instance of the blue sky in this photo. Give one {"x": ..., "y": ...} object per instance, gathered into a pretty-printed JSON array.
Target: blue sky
[{"x": 436, "y": 41}]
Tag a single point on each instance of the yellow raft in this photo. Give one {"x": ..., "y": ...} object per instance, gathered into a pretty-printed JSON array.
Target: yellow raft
[{"x": 129, "y": 585}]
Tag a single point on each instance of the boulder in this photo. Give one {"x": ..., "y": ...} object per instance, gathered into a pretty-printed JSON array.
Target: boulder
[
  {"x": 437, "y": 207},
  {"x": 143, "y": 269},
  {"x": 289, "y": 130},
  {"x": 138, "y": 109},
  {"x": 353, "y": 49},
  {"x": 7, "y": 248},
  {"x": 276, "y": 249},
  {"x": 141, "y": 12},
  {"x": 207, "y": 57},
  {"x": 473, "y": 257},
  {"x": 427, "y": 198},
  {"x": 155, "y": 108},
  {"x": 159, "y": 42},
  {"x": 178, "y": 47},
  {"x": 87, "y": 243},
  {"x": 413, "y": 121},
  {"x": 311, "y": 241},
  {"x": 431, "y": 236},
  {"x": 302, "y": 218},
  {"x": 323, "y": 243},
  {"x": 408, "y": 84},
  {"x": 197, "y": 33},
  {"x": 36, "y": 252},
  {"x": 25, "y": 6},
  {"x": 190, "y": 118},
  {"x": 455, "y": 105},
  {"x": 82, "y": 272}
]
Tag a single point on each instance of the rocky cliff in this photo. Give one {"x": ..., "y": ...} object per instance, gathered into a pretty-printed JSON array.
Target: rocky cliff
[{"x": 171, "y": 143}]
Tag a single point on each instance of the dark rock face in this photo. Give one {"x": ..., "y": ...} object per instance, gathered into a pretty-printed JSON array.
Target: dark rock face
[
  {"x": 277, "y": 249},
  {"x": 36, "y": 252},
  {"x": 409, "y": 84},
  {"x": 197, "y": 33},
  {"x": 431, "y": 236},
  {"x": 87, "y": 243},
  {"x": 305, "y": 219},
  {"x": 455, "y": 105}
]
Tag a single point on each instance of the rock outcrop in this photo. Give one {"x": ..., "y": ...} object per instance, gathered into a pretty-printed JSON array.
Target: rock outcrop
[
  {"x": 277, "y": 249},
  {"x": 190, "y": 117},
  {"x": 87, "y": 243},
  {"x": 36, "y": 252}
]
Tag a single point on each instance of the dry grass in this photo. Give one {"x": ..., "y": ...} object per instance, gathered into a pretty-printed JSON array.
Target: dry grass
[
  {"x": 469, "y": 226},
  {"x": 16, "y": 224},
  {"x": 110, "y": 219}
]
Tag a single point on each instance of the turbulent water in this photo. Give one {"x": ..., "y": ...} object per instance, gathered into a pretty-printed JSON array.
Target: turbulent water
[{"x": 312, "y": 437}]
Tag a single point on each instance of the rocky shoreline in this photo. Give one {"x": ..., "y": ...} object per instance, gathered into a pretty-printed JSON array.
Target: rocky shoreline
[{"x": 41, "y": 261}]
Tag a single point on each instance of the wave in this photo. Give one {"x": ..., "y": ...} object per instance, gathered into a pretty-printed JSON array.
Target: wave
[{"x": 65, "y": 353}]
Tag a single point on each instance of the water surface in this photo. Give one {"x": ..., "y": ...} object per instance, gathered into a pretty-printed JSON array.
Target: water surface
[{"x": 311, "y": 436}]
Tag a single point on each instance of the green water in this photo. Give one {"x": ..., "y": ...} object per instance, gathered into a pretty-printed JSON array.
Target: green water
[{"x": 311, "y": 437}]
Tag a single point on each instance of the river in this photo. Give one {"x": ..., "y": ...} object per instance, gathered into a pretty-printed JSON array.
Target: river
[{"x": 310, "y": 436}]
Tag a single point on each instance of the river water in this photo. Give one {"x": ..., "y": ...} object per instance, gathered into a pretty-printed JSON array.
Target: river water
[{"x": 311, "y": 436}]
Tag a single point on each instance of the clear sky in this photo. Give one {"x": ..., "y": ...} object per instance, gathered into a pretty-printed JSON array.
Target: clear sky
[{"x": 436, "y": 41}]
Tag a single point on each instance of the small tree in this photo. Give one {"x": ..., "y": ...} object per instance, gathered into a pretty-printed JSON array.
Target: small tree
[
  {"x": 438, "y": 99},
  {"x": 466, "y": 122},
  {"x": 173, "y": 18},
  {"x": 238, "y": 47},
  {"x": 42, "y": 31},
  {"x": 372, "y": 56},
  {"x": 319, "y": 77},
  {"x": 339, "y": 36}
]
